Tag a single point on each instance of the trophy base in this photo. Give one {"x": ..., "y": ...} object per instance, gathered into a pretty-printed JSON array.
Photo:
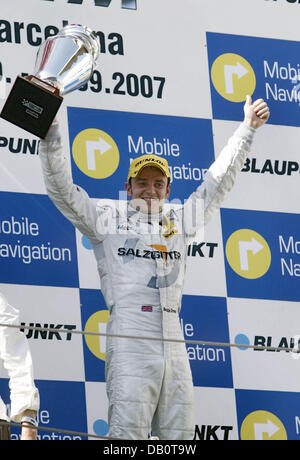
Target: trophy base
[{"x": 32, "y": 105}]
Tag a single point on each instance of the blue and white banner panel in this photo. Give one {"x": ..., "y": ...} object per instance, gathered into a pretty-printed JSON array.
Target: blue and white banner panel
[{"x": 172, "y": 80}]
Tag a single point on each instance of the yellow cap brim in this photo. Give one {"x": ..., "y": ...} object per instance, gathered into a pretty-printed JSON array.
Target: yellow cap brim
[{"x": 143, "y": 162}]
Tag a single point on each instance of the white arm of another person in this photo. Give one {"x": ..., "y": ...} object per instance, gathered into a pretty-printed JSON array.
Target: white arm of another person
[{"x": 17, "y": 360}]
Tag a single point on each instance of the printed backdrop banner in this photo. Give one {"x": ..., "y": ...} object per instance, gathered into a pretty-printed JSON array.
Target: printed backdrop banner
[{"x": 172, "y": 79}]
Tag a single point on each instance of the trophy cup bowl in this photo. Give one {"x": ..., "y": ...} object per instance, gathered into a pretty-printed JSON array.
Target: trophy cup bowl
[{"x": 63, "y": 64}]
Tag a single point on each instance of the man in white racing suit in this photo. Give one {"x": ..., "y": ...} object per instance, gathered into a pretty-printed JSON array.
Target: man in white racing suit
[
  {"x": 16, "y": 357},
  {"x": 141, "y": 257}
]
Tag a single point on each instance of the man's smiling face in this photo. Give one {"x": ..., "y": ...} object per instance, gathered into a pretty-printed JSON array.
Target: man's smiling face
[{"x": 149, "y": 190}]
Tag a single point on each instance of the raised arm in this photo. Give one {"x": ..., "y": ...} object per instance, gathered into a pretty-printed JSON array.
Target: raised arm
[
  {"x": 69, "y": 198},
  {"x": 220, "y": 177}
]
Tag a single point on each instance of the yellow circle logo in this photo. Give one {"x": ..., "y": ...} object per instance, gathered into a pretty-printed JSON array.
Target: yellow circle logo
[
  {"x": 262, "y": 426},
  {"x": 95, "y": 153},
  {"x": 97, "y": 343},
  {"x": 248, "y": 254},
  {"x": 233, "y": 77}
]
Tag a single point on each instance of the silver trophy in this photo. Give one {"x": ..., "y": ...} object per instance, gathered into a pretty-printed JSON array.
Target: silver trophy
[{"x": 64, "y": 63}]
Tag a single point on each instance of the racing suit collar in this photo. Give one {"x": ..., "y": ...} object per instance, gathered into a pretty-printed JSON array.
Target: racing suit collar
[
  {"x": 147, "y": 224},
  {"x": 138, "y": 215}
]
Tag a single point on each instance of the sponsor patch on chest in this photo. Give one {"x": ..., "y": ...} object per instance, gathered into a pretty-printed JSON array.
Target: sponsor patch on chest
[{"x": 148, "y": 254}]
